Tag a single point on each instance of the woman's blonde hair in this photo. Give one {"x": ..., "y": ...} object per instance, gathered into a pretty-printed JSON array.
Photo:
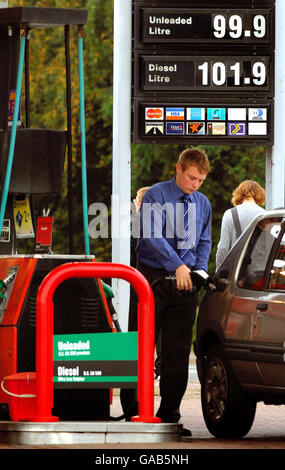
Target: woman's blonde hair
[{"x": 247, "y": 189}]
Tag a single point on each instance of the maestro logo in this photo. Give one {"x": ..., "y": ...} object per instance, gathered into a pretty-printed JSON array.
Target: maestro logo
[{"x": 154, "y": 113}]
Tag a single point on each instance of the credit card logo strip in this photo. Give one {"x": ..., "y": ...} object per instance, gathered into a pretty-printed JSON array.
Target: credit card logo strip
[{"x": 232, "y": 127}]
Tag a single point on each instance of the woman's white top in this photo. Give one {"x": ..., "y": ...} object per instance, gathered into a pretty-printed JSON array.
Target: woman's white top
[{"x": 247, "y": 211}]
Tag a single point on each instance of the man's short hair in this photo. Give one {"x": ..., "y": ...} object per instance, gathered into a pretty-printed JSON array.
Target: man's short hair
[{"x": 194, "y": 157}]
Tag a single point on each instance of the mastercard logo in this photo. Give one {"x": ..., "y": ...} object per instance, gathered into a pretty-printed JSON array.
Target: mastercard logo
[{"x": 152, "y": 113}]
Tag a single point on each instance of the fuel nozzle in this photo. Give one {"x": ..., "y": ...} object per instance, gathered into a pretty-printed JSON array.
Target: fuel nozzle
[
  {"x": 200, "y": 278},
  {"x": 3, "y": 288},
  {"x": 4, "y": 285}
]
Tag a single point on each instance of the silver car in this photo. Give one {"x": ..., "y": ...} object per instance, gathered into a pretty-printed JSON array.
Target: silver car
[{"x": 240, "y": 343}]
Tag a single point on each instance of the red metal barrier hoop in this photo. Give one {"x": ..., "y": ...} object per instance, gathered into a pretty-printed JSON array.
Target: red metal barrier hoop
[{"x": 44, "y": 334}]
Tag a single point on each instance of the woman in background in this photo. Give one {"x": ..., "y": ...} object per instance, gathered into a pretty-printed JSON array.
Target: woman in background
[{"x": 247, "y": 199}]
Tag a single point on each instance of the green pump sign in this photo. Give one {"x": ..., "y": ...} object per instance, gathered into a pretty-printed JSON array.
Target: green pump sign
[{"x": 95, "y": 360}]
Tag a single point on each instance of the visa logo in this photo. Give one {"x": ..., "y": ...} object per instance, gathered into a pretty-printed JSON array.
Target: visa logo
[{"x": 174, "y": 113}]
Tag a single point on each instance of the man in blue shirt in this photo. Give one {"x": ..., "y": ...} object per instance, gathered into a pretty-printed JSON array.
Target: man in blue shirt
[{"x": 175, "y": 239}]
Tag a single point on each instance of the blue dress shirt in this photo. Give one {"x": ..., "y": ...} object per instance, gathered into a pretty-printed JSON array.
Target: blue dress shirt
[{"x": 161, "y": 232}]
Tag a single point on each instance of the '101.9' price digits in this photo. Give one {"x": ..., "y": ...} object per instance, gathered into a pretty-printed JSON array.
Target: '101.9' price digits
[{"x": 218, "y": 73}]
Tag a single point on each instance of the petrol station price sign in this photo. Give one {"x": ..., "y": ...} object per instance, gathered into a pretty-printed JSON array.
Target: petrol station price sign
[
  {"x": 203, "y": 74},
  {"x": 208, "y": 25}
]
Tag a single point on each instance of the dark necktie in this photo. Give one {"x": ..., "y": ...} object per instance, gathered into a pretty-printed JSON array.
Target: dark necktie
[{"x": 187, "y": 241}]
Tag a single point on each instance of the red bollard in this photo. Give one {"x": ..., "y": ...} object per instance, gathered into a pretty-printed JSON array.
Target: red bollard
[{"x": 44, "y": 334}]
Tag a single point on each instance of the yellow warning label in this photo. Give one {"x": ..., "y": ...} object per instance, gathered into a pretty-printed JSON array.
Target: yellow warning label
[{"x": 22, "y": 218}]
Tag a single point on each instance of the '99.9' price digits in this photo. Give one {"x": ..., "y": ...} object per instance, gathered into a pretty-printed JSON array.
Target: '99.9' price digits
[{"x": 234, "y": 27}]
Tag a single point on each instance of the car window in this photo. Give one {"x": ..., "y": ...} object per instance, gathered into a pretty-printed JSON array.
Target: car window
[
  {"x": 277, "y": 269},
  {"x": 253, "y": 268}
]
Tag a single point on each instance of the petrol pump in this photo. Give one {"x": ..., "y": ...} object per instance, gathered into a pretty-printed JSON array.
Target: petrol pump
[{"x": 32, "y": 163}]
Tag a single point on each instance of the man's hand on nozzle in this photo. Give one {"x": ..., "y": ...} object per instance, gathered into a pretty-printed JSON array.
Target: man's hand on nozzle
[{"x": 183, "y": 278}]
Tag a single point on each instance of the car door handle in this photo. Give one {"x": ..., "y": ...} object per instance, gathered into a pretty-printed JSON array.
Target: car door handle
[{"x": 261, "y": 307}]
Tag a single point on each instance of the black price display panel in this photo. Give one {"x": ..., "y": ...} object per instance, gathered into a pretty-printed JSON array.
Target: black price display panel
[
  {"x": 247, "y": 122},
  {"x": 239, "y": 74},
  {"x": 213, "y": 26}
]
